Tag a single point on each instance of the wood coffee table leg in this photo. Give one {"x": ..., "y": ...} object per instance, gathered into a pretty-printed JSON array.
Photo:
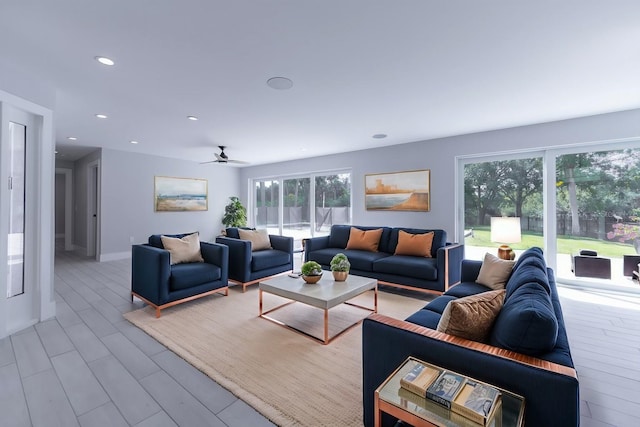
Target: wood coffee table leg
[{"x": 326, "y": 326}]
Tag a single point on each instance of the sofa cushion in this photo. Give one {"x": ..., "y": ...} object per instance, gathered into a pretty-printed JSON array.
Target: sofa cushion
[
  {"x": 440, "y": 303},
  {"x": 261, "y": 260},
  {"x": 534, "y": 252},
  {"x": 155, "y": 240},
  {"x": 527, "y": 323},
  {"x": 184, "y": 276},
  {"x": 414, "y": 244},
  {"x": 364, "y": 240},
  {"x": 360, "y": 260},
  {"x": 466, "y": 288},
  {"x": 185, "y": 249},
  {"x": 407, "y": 266},
  {"x": 425, "y": 317},
  {"x": 494, "y": 272},
  {"x": 473, "y": 316},
  {"x": 439, "y": 238},
  {"x": 233, "y": 232},
  {"x": 259, "y": 239},
  {"x": 532, "y": 269}
]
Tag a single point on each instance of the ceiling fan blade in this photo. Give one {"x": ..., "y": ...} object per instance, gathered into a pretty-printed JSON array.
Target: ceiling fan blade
[
  {"x": 210, "y": 161},
  {"x": 240, "y": 162}
]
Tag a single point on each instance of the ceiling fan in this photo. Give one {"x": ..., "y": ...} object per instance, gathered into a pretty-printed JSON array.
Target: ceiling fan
[{"x": 223, "y": 158}]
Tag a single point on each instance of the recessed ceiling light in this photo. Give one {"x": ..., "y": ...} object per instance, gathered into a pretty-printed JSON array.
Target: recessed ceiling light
[
  {"x": 133, "y": 142},
  {"x": 101, "y": 116},
  {"x": 104, "y": 60},
  {"x": 379, "y": 136},
  {"x": 280, "y": 83},
  {"x": 194, "y": 118},
  {"x": 72, "y": 138}
]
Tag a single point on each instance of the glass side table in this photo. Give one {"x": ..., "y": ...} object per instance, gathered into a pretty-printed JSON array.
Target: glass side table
[{"x": 418, "y": 411}]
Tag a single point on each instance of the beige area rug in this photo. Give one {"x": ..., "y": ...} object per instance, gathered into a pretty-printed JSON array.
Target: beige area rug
[{"x": 289, "y": 378}]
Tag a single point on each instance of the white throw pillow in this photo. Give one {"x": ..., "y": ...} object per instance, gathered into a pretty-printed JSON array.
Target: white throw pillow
[
  {"x": 259, "y": 239},
  {"x": 494, "y": 272},
  {"x": 186, "y": 249}
]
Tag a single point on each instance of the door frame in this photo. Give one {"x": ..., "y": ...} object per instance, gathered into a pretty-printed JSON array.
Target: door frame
[
  {"x": 40, "y": 166},
  {"x": 93, "y": 200}
]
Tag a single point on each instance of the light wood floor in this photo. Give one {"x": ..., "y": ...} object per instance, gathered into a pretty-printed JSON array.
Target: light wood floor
[
  {"x": 604, "y": 334},
  {"x": 90, "y": 367}
]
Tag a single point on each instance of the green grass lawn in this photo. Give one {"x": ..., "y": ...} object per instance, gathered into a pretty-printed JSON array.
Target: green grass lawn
[{"x": 566, "y": 244}]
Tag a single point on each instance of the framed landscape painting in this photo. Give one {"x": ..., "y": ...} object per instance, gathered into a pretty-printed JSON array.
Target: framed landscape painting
[
  {"x": 398, "y": 191},
  {"x": 180, "y": 194}
]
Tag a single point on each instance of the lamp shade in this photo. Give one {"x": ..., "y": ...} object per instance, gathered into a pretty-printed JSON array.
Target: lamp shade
[{"x": 505, "y": 229}]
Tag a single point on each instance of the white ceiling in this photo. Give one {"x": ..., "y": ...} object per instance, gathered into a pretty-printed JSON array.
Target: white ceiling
[{"x": 412, "y": 69}]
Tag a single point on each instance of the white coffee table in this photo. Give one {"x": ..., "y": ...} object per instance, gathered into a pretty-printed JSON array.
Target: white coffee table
[{"x": 325, "y": 295}]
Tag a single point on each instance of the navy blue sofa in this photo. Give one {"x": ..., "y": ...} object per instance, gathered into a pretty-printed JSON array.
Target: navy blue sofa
[
  {"x": 247, "y": 267},
  {"x": 527, "y": 353},
  {"x": 432, "y": 275},
  {"x": 160, "y": 284}
]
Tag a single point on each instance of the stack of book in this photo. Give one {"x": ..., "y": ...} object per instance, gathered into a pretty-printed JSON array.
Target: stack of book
[{"x": 474, "y": 400}]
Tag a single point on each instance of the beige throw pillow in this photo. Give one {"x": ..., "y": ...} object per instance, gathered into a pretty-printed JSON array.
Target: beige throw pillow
[
  {"x": 472, "y": 317},
  {"x": 495, "y": 272},
  {"x": 414, "y": 244},
  {"x": 186, "y": 249},
  {"x": 259, "y": 239},
  {"x": 364, "y": 240}
]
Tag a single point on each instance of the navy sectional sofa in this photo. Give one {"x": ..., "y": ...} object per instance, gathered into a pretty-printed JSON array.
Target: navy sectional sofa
[
  {"x": 424, "y": 274},
  {"x": 527, "y": 353}
]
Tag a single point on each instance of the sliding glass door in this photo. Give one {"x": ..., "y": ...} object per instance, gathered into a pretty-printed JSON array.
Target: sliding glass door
[
  {"x": 582, "y": 206},
  {"x": 598, "y": 214},
  {"x": 302, "y": 206},
  {"x": 502, "y": 188}
]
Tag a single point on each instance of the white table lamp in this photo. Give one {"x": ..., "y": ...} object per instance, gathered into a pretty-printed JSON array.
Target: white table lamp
[{"x": 505, "y": 230}]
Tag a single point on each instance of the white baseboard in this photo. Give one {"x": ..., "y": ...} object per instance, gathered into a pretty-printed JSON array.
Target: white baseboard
[{"x": 114, "y": 256}]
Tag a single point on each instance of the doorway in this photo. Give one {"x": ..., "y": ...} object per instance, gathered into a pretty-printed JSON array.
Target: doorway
[{"x": 64, "y": 206}]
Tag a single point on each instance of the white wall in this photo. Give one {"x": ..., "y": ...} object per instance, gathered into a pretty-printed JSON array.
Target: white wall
[
  {"x": 127, "y": 199},
  {"x": 439, "y": 155}
]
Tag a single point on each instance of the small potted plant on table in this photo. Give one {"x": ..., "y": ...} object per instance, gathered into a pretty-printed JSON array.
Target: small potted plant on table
[
  {"x": 311, "y": 272},
  {"x": 340, "y": 266}
]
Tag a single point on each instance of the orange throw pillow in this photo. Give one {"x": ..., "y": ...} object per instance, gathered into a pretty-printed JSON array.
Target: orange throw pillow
[
  {"x": 414, "y": 244},
  {"x": 364, "y": 240}
]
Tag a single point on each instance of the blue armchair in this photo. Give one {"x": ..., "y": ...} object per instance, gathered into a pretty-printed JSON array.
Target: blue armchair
[
  {"x": 247, "y": 267},
  {"x": 158, "y": 283}
]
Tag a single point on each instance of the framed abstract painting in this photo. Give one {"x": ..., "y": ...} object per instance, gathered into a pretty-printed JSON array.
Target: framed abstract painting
[
  {"x": 398, "y": 191},
  {"x": 180, "y": 194}
]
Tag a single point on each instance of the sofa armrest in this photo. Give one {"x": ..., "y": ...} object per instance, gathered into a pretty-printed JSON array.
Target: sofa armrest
[
  {"x": 150, "y": 272},
  {"x": 239, "y": 257},
  {"x": 217, "y": 254},
  {"x": 449, "y": 259},
  {"x": 315, "y": 243},
  {"x": 550, "y": 390},
  {"x": 282, "y": 243}
]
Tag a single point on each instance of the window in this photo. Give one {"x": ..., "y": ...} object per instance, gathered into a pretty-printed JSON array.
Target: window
[
  {"x": 302, "y": 206},
  {"x": 568, "y": 200}
]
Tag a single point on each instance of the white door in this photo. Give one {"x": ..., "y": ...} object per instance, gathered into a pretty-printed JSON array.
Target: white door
[{"x": 17, "y": 216}]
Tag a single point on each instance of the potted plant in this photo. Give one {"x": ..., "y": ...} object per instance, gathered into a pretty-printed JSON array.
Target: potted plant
[
  {"x": 311, "y": 271},
  {"x": 235, "y": 214},
  {"x": 340, "y": 266}
]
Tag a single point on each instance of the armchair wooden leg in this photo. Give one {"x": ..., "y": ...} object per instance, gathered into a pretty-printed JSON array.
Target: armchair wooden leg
[{"x": 157, "y": 312}]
